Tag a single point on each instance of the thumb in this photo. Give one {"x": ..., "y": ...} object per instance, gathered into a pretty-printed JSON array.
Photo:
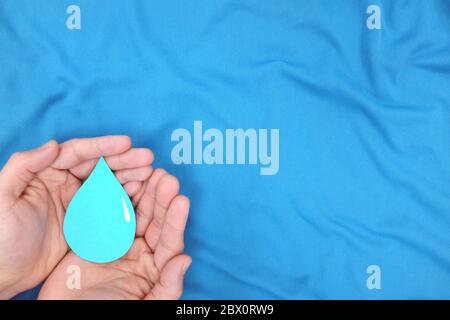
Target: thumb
[
  {"x": 22, "y": 167},
  {"x": 170, "y": 284}
]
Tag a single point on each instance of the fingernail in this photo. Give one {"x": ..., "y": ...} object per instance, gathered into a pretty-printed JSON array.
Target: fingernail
[{"x": 186, "y": 266}]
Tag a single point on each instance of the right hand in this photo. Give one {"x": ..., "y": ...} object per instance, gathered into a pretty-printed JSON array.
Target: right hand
[{"x": 155, "y": 265}]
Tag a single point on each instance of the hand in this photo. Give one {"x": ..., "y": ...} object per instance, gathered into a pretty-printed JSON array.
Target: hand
[
  {"x": 153, "y": 268},
  {"x": 35, "y": 189}
]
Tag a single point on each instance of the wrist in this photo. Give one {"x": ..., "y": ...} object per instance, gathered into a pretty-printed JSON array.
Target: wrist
[
  {"x": 8, "y": 289},
  {"x": 12, "y": 286}
]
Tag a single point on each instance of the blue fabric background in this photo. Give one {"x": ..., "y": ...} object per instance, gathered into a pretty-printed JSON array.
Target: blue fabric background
[{"x": 364, "y": 119}]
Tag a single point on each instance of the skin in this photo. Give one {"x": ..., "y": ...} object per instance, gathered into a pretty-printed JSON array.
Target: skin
[{"x": 35, "y": 189}]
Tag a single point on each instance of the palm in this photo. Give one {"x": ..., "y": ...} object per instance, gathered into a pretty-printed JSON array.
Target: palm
[
  {"x": 154, "y": 266},
  {"x": 35, "y": 221},
  {"x": 33, "y": 204}
]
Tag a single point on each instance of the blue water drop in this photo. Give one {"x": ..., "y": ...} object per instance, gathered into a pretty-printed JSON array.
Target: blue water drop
[{"x": 100, "y": 223}]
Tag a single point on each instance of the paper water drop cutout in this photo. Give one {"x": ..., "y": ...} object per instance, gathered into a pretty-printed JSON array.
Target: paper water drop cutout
[{"x": 100, "y": 223}]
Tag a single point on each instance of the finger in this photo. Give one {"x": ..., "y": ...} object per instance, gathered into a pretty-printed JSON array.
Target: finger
[
  {"x": 166, "y": 190},
  {"x": 132, "y": 158},
  {"x": 76, "y": 151},
  {"x": 135, "y": 174},
  {"x": 170, "y": 284},
  {"x": 171, "y": 241},
  {"x": 138, "y": 195},
  {"x": 22, "y": 167},
  {"x": 132, "y": 187},
  {"x": 145, "y": 201}
]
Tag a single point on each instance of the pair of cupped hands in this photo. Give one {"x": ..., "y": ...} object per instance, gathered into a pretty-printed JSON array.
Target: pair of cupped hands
[{"x": 36, "y": 188}]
